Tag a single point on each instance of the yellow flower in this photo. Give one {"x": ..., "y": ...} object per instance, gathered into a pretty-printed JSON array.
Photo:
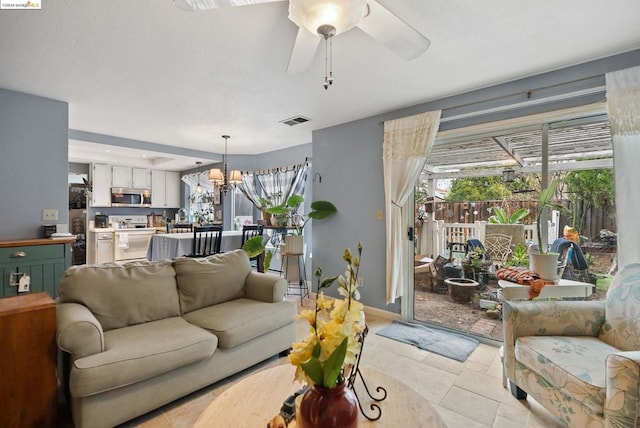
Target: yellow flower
[{"x": 324, "y": 356}]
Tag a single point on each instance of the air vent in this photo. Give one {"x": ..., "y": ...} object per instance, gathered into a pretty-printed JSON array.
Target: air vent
[{"x": 296, "y": 120}]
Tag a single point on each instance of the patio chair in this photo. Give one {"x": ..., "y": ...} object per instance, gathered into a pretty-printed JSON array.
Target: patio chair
[
  {"x": 499, "y": 249},
  {"x": 579, "y": 360},
  {"x": 574, "y": 266}
]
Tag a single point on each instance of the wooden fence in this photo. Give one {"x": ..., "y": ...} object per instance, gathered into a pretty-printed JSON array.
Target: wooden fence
[{"x": 471, "y": 212}]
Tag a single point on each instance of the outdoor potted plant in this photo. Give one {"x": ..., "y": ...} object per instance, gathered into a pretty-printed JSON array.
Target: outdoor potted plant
[
  {"x": 541, "y": 261},
  {"x": 475, "y": 266}
]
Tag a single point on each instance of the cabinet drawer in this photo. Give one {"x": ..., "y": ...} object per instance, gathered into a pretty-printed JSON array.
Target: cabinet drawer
[{"x": 31, "y": 253}]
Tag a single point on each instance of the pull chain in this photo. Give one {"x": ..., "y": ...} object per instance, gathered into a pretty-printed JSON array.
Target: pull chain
[{"x": 326, "y": 66}]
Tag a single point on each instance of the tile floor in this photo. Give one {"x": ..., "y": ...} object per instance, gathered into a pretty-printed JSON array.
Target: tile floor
[{"x": 466, "y": 395}]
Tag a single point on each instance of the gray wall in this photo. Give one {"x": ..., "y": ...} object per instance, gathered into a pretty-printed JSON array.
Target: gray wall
[
  {"x": 33, "y": 162},
  {"x": 349, "y": 159}
]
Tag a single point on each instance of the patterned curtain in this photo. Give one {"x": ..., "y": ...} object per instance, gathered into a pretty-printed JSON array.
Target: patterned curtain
[
  {"x": 407, "y": 144},
  {"x": 623, "y": 104},
  {"x": 277, "y": 183}
]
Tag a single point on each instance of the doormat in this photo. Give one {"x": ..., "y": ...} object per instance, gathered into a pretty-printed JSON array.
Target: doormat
[{"x": 441, "y": 342}]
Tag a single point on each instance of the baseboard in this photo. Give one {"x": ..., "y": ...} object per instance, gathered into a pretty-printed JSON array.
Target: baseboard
[{"x": 374, "y": 312}]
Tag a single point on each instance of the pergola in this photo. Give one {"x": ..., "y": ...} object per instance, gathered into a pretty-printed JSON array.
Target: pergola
[{"x": 565, "y": 140}]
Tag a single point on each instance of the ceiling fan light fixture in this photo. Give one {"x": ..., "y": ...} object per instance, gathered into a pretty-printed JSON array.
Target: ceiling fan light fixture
[{"x": 312, "y": 14}]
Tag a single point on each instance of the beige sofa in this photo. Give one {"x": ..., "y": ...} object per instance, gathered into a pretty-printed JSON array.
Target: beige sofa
[{"x": 137, "y": 336}]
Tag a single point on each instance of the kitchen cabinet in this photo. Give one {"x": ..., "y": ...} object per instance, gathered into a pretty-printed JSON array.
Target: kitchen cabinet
[
  {"x": 165, "y": 189},
  {"x": 29, "y": 387},
  {"x": 100, "y": 247},
  {"x": 100, "y": 185},
  {"x": 131, "y": 178},
  {"x": 140, "y": 178},
  {"x": 42, "y": 260}
]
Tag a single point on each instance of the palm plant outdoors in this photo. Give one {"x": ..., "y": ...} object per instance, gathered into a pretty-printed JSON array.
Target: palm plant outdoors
[
  {"x": 500, "y": 216},
  {"x": 545, "y": 202}
]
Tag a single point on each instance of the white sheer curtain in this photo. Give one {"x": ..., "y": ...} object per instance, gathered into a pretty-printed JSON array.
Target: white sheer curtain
[
  {"x": 623, "y": 104},
  {"x": 407, "y": 143}
]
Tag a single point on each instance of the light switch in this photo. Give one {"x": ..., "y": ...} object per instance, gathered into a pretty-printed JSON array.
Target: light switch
[
  {"x": 379, "y": 215},
  {"x": 50, "y": 215}
]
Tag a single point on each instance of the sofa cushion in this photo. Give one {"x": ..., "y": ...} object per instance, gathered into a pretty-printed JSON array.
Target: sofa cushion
[
  {"x": 136, "y": 353},
  {"x": 211, "y": 280},
  {"x": 238, "y": 321},
  {"x": 573, "y": 364},
  {"x": 123, "y": 294},
  {"x": 622, "y": 317}
]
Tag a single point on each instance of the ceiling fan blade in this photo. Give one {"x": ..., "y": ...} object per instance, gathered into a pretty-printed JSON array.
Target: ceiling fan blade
[
  {"x": 193, "y": 5},
  {"x": 398, "y": 36},
  {"x": 303, "y": 52}
]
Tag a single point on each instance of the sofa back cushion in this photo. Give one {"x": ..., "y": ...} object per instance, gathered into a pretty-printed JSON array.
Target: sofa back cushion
[
  {"x": 125, "y": 294},
  {"x": 621, "y": 328},
  {"x": 211, "y": 280}
]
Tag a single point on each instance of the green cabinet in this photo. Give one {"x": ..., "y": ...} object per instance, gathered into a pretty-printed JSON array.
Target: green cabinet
[{"x": 43, "y": 260}]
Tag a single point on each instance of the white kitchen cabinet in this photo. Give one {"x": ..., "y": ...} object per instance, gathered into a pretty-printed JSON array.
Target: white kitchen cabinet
[
  {"x": 101, "y": 185},
  {"x": 121, "y": 176},
  {"x": 165, "y": 189},
  {"x": 172, "y": 187},
  {"x": 131, "y": 178},
  {"x": 141, "y": 178}
]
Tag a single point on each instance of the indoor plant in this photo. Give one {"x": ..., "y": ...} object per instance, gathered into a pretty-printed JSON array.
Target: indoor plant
[
  {"x": 289, "y": 211},
  {"x": 324, "y": 358}
]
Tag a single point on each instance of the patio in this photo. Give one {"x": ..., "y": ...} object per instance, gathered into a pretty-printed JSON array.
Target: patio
[{"x": 563, "y": 141}]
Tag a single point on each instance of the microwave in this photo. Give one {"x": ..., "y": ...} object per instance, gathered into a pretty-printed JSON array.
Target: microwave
[{"x": 121, "y": 197}]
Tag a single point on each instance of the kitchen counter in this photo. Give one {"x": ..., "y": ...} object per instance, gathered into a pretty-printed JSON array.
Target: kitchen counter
[{"x": 39, "y": 241}]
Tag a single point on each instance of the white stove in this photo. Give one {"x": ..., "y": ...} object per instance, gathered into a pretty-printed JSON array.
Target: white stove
[
  {"x": 131, "y": 237},
  {"x": 128, "y": 222}
]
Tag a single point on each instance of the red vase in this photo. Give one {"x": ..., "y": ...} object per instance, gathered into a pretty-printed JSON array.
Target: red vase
[{"x": 328, "y": 408}]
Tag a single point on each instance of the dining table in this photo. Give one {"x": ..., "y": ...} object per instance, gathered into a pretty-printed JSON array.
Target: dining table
[{"x": 168, "y": 246}]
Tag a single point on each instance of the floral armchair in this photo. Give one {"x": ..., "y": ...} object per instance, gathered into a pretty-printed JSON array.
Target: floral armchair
[{"x": 580, "y": 360}]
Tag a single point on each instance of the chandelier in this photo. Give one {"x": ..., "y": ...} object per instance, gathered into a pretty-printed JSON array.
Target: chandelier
[{"x": 221, "y": 178}]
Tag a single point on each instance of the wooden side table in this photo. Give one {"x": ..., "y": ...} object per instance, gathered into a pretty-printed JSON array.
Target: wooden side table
[{"x": 28, "y": 353}]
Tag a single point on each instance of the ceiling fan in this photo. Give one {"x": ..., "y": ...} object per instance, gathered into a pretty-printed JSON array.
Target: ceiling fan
[{"x": 318, "y": 19}]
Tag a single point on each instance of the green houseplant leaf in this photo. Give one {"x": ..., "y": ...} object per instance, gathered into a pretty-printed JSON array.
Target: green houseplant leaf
[{"x": 253, "y": 247}]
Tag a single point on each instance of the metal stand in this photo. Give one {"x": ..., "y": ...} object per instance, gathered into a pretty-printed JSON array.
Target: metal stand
[{"x": 354, "y": 373}]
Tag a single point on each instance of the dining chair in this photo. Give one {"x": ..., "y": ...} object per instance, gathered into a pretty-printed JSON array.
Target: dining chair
[
  {"x": 206, "y": 241},
  {"x": 250, "y": 231},
  {"x": 179, "y": 227}
]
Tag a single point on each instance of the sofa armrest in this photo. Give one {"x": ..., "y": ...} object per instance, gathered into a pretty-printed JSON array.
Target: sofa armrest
[
  {"x": 623, "y": 383},
  {"x": 265, "y": 287},
  {"x": 548, "y": 318},
  {"x": 79, "y": 332}
]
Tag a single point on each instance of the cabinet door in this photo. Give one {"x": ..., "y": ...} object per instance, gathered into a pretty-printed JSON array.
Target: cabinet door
[
  {"x": 104, "y": 251},
  {"x": 158, "y": 189},
  {"x": 121, "y": 176},
  {"x": 101, "y": 185},
  {"x": 172, "y": 186},
  {"x": 44, "y": 264},
  {"x": 141, "y": 178}
]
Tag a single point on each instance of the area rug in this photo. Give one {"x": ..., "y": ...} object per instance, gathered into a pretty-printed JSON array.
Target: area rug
[{"x": 451, "y": 345}]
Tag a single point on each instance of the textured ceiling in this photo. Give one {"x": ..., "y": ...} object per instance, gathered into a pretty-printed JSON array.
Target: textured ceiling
[{"x": 148, "y": 71}]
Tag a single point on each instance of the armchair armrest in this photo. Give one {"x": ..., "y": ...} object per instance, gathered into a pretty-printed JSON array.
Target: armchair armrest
[
  {"x": 79, "y": 332},
  {"x": 265, "y": 287},
  {"x": 623, "y": 382},
  {"x": 548, "y": 318}
]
